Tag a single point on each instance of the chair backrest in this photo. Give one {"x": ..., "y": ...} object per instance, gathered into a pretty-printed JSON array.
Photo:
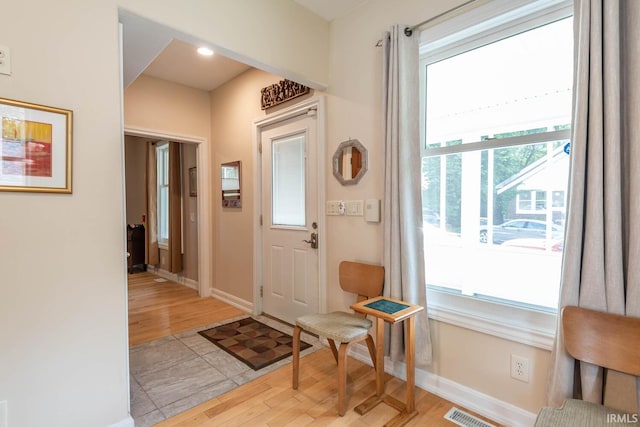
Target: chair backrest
[
  {"x": 603, "y": 339},
  {"x": 365, "y": 280}
]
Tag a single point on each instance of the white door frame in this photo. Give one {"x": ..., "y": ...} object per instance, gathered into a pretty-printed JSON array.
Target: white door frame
[
  {"x": 316, "y": 103},
  {"x": 205, "y": 237}
]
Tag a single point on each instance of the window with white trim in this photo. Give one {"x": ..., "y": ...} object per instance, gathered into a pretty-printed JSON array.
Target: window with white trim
[
  {"x": 496, "y": 115},
  {"x": 162, "y": 160}
]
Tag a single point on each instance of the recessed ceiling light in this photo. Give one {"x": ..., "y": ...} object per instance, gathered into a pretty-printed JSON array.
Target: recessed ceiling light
[{"x": 205, "y": 51}]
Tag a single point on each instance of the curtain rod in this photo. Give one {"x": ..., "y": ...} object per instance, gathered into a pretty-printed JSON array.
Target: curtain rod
[{"x": 408, "y": 31}]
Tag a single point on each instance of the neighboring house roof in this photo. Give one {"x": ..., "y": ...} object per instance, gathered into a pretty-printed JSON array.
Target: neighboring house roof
[{"x": 540, "y": 176}]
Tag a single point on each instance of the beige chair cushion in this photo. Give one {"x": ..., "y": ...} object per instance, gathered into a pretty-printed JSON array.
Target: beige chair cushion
[
  {"x": 338, "y": 326},
  {"x": 584, "y": 414}
]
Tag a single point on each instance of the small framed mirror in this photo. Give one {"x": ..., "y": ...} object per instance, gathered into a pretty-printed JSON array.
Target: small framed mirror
[
  {"x": 350, "y": 162},
  {"x": 230, "y": 177}
]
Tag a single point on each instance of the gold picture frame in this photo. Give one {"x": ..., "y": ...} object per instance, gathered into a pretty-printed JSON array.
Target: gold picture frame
[{"x": 35, "y": 147}]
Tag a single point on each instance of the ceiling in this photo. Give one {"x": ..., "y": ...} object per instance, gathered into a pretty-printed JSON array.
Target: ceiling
[
  {"x": 180, "y": 63},
  {"x": 158, "y": 51},
  {"x": 331, "y": 9}
]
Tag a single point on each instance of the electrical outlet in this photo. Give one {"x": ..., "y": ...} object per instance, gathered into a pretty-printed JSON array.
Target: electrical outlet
[{"x": 520, "y": 368}]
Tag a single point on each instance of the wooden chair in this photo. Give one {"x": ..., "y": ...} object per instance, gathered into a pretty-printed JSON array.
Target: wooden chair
[
  {"x": 366, "y": 281},
  {"x": 603, "y": 339}
]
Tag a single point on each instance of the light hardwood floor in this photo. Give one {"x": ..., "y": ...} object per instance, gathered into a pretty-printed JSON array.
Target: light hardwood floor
[
  {"x": 157, "y": 310},
  {"x": 161, "y": 309}
]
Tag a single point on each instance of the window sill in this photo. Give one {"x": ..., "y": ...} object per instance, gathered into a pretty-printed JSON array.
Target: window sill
[
  {"x": 523, "y": 325},
  {"x": 164, "y": 246}
]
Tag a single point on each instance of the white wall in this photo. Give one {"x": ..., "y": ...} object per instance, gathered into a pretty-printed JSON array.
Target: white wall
[
  {"x": 63, "y": 329},
  {"x": 234, "y": 106},
  {"x": 63, "y": 296},
  {"x": 166, "y": 107}
]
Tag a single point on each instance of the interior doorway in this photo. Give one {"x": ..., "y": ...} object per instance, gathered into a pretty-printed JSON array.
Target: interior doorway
[{"x": 196, "y": 217}]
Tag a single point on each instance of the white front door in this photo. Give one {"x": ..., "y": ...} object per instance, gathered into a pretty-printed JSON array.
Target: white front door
[{"x": 290, "y": 218}]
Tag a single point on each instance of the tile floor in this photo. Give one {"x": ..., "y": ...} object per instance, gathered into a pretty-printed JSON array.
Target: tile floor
[{"x": 175, "y": 373}]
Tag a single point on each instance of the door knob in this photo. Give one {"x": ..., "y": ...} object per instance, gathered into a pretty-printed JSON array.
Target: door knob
[{"x": 313, "y": 241}]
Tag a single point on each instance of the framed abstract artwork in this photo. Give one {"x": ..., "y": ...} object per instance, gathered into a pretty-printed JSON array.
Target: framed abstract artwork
[{"x": 35, "y": 147}]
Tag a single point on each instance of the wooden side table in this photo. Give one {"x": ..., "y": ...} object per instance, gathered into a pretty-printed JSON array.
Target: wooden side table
[{"x": 392, "y": 311}]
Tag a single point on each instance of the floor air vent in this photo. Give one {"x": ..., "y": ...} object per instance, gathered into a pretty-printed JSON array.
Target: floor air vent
[
  {"x": 160, "y": 280},
  {"x": 464, "y": 419}
]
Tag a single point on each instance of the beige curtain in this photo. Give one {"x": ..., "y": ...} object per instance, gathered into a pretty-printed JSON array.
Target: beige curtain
[
  {"x": 175, "y": 208},
  {"x": 603, "y": 226},
  {"x": 151, "y": 249},
  {"x": 403, "y": 253}
]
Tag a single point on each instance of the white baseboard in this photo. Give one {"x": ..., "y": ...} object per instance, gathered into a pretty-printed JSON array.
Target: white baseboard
[
  {"x": 221, "y": 295},
  {"x": 497, "y": 410},
  {"x": 232, "y": 300},
  {"x": 190, "y": 283},
  {"x": 178, "y": 278},
  {"x": 127, "y": 422}
]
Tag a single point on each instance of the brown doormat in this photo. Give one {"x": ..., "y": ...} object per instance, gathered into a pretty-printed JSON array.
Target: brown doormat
[{"x": 252, "y": 342}]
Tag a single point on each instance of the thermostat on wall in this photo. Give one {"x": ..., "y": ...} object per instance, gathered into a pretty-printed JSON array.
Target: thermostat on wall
[{"x": 372, "y": 210}]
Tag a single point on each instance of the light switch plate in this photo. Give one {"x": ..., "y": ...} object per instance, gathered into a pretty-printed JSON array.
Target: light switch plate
[
  {"x": 5, "y": 66},
  {"x": 333, "y": 207},
  {"x": 354, "y": 207}
]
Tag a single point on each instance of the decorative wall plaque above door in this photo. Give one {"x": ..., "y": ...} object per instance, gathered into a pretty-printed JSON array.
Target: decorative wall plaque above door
[{"x": 281, "y": 92}]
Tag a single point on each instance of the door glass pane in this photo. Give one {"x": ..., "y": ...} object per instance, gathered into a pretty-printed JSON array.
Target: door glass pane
[{"x": 288, "y": 181}]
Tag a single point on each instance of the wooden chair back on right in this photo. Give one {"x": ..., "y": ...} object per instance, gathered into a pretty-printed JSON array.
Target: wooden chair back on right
[{"x": 603, "y": 339}]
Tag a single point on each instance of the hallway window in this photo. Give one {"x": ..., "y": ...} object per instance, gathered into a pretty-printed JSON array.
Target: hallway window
[{"x": 162, "y": 152}]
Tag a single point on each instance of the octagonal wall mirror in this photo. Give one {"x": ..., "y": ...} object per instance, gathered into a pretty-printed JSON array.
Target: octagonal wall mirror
[{"x": 350, "y": 162}]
